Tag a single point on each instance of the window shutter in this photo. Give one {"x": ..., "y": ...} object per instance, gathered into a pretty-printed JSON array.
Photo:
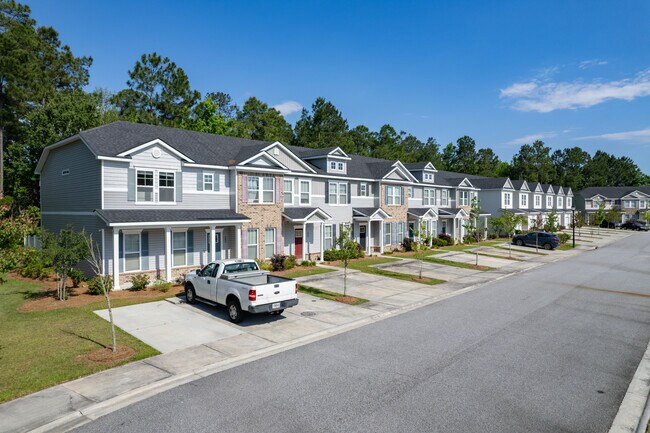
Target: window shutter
[
  {"x": 130, "y": 196},
  {"x": 278, "y": 199},
  {"x": 244, "y": 241},
  {"x": 385, "y": 194},
  {"x": 179, "y": 186},
  {"x": 199, "y": 181},
  {"x": 217, "y": 182},
  {"x": 190, "y": 247},
  {"x": 327, "y": 192},
  {"x": 334, "y": 235},
  {"x": 393, "y": 233},
  {"x": 349, "y": 194},
  {"x": 244, "y": 189},
  {"x": 402, "y": 191},
  {"x": 278, "y": 240},
  {"x": 121, "y": 255},
  {"x": 144, "y": 250}
]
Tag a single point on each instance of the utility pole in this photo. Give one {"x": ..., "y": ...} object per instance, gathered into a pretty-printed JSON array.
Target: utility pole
[{"x": 573, "y": 218}]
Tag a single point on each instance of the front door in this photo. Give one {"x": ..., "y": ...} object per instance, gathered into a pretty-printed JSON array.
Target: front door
[
  {"x": 217, "y": 245},
  {"x": 298, "y": 242},
  {"x": 362, "y": 236}
]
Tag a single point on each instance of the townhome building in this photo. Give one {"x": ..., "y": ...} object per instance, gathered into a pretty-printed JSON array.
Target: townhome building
[{"x": 631, "y": 201}]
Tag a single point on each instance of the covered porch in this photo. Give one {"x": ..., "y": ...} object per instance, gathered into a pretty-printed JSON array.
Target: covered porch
[
  {"x": 305, "y": 232},
  {"x": 422, "y": 223},
  {"x": 164, "y": 244},
  {"x": 368, "y": 228},
  {"x": 452, "y": 221}
]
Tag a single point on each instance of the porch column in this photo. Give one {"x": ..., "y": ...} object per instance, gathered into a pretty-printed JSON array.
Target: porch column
[
  {"x": 453, "y": 229},
  {"x": 213, "y": 247},
  {"x": 369, "y": 238},
  {"x": 322, "y": 239},
  {"x": 238, "y": 241},
  {"x": 168, "y": 253},
  {"x": 304, "y": 239},
  {"x": 381, "y": 237},
  {"x": 116, "y": 259}
]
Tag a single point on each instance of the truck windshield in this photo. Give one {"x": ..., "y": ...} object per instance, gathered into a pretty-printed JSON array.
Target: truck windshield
[{"x": 240, "y": 267}]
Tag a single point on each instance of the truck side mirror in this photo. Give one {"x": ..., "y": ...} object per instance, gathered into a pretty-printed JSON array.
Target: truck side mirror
[{"x": 198, "y": 272}]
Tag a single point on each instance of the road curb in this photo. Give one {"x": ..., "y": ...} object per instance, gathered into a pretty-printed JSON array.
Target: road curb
[{"x": 634, "y": 412}]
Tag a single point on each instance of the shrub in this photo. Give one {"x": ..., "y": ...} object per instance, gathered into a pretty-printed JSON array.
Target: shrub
[
  {"x": 331, "y": 255},
  {"x": 139, "y": 282},
  {"x": 492, "y": 236},
  {"x": 76, "y": 276},
  {"x": 290, "y": 262},
  {"x": 277, "y": 262},
  {"x": 564, "y": 237},
  {"x": 407, "y": 244},
  {"x": 265, "y": 265},
  {"x": 387, "y": 253},
  {"x": 94, "y": 284},
  {"x": 308, "y": 263},
  {"x": 447, "y": 238},
  {"x": 162, "y": 286},
  {"x": 34, "y": 265}
]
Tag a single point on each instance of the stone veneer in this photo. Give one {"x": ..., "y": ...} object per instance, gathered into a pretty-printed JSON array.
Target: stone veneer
[
  {"x": 262, "y": 216},
  {"x": 397, "y": 213},
  {"x": 157, "y": 274}
]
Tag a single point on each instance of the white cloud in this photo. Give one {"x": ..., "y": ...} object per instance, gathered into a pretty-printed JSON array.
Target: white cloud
[
  {"x": 549, "y": 96},
  {"x": 586, "y": 64},
  {"x": 288, "y": 107},
  {"x": 529, "y": 139},
  {"x": 638, "y": 136}
]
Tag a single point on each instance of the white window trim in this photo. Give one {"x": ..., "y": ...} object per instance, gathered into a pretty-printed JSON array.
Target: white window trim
[
  {"x": 260, "y": 184},
  {"x": 363, "y": 189},
  {"x": 549, "y": 202},
  {"x": 523, "y": 197},
  {"x": 215, "y": 183},
  {"x": 387, "y": 234},
  {"x": 173, "y": 188},
  {"x": 535, "y": 205},
  {"x": 154, "y": 177},
  {"x": 325, "y": 237},
  {"x": 179, "y": 230},
  {"x": 396, "y": 196},
  {"x": 256, "y": 244},
  {"x": 431, "y": 200},
  {"x": 338, "y": 193},
  {"x": 340, "y": 166},
  {"x": 300, "y": 182},
  {"x": 284, "y": 191},
  {"x": 124, "y": 234},
  {"x": 507, "y": 200},
  {"x": 444, "y": 198},
  {"x": 266, "y": 241},
  {"x": 462, "y": 201},
  {"x": 560, "y": 202}
]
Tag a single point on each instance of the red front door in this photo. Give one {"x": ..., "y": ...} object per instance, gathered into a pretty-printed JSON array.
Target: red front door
[{"x": 298, "y": 242}]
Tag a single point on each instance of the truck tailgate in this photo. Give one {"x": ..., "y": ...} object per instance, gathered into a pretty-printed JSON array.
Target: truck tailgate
[{"x": 275, "y": 292}]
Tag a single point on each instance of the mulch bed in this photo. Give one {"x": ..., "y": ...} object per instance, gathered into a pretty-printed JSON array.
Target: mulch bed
[{"x": 106, "y": 355}]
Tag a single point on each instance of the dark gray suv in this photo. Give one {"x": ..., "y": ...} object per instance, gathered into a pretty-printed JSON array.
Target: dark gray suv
[{"x": 545, "y": 240}]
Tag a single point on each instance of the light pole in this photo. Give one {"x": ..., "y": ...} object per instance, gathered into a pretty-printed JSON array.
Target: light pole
[{"x": 573, "y": 223}]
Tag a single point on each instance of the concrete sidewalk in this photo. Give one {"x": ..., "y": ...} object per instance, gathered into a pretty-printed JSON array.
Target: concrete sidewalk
[{"x": 71, "y": 404}]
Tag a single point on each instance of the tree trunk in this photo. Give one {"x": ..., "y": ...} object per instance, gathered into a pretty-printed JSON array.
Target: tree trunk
[
  {"x": 110, "y": 316},
  {"x": 345, "y": 279},
  {"x": 2, "y": 164}
]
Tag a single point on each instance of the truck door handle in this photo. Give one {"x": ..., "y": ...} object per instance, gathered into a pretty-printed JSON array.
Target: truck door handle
[
  {"x": 208, "y": 281},
  {"x": 277, "y": 293}
]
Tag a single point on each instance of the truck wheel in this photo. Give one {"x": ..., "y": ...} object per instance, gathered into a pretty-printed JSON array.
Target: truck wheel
[
  {"x": 190, "y": 294},
  {"x": 234, "y": 311}
]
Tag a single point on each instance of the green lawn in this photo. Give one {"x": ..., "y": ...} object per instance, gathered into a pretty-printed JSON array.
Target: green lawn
[
  {"x": 332, "y": 296},
  {"x": 532, "y": 251},
  {"x": 367, "y": 266},
  {"x": 448, "y": 262},
  {"x": 306, "y": 271},
  {"x": 566, "y": 247},
  {"x": 41, "y": 349},
  {"x": 495, "y": 256}
]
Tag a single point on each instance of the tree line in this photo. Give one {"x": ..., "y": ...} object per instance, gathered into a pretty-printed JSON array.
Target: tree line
[{"x": 43, "y": 100}]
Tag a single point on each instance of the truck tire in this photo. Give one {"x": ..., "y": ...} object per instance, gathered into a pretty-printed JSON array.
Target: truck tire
[
  {"x": 190, "y": 294},
  {"x": 235, "y": 313}
]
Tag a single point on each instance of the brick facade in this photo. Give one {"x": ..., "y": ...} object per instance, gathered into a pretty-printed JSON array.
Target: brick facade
[{"x": 398, "y": 213}]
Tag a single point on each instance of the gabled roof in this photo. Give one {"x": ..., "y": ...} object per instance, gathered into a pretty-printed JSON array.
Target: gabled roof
[
  {"x": 548, "y": 189},
  {"x": 560, "y": 190},
  {"x": 370, "y": 212},
  {"x": 520, "y": 185},
  {"x": 420, "y": 166},
  {"x": 612, "y": 192},
  {"x": 422, "y": 211},
  {"x": 301, "y": 214},
  {"x": 492, "y": 183},
  {"x": 325, "y": 152},
  {"x": 453, "y": 212}
]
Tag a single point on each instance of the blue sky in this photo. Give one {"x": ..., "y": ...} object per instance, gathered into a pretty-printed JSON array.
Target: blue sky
[{"x": 504, "y": 72}]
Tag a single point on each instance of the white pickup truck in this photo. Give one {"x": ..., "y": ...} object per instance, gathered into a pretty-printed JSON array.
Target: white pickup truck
[{"x": 240, "y": 285}]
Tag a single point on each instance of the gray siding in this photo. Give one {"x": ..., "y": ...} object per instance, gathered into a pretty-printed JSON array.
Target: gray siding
[
  {"x": 286, "y": 160},
  {"x": 490, "y": 201},
  {"x": 92, "y": 224},
  {"x": 77, "y": 191}
]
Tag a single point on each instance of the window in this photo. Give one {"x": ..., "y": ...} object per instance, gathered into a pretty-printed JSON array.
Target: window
[
  {"x": 266, "y": 194},
  {"x": 507, "y": 199},
  {"x": 363, "y": 189},
  {"x": 627, "y": 203},
  {"x": 428, "y": 176},
  {"x": 338, "y": 193},
  {"x": 463, "y": 197},
  {"x": 269, "y": 243},
  {"x": 560, "y": 202},
  {"x": 132, "y": 252},
  {"x": 568, "y": 202},
  {"x": 251, "y": 235},
  {"x": 393, "y": 195},
  {"x": 288, "y": 191},
  {"x": 333, "y": 165},
  {"x": 538, "y": 200},
  {"x": 327, "y": 237},
  {"x": 305, "y": 192},
  {"x": 400, "y": 232},
  {"x": 208, "y": 182},
  {"x": 166, "y": 186},
  {"x": 445, "y": 197},
  {"x": 523, "y": 199},
  {"x": 145, "y": 186},
  {"x": 429, "y": 197},
  {"x": 642, "y": 203},
  {"x": 387, "y": 234},
  {"x": 549, "y": 202},
  {"x": 340, "y": 166},
  {"x": 179, "y": 248},
  {"x": 410, "y": 192}
]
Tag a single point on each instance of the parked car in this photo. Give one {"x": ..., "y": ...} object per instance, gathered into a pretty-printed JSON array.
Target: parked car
[
  {"x": 545, "y": 240},
  {"x": 634, "y": 225},
  {"x": 241, "y": 286},
  {"x": 610, "y": 225}
]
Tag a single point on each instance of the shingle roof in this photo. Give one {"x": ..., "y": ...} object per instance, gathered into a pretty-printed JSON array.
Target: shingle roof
[
  {"x": 420, "y": 211},
  {"x": 489, "y": 182},
  {"x": 300, "y": 213},
  {"x": 367, "y": 211},
  {"x": 116, "y": 216},
  {"x": 518, "y": 183},
  {"x": 416, "y": 165},
  {"x": 612, "y": 191}
]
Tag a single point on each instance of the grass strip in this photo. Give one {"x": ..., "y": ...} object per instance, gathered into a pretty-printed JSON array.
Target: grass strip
[
  {"x": 331, "y": 296},
  {"x": 457, "y": 264},
  {"x": 566, "y": 247},
  {"x": 368, "y": 266},
  {"x": 521, "y": 251},
  {"x": 305, "y": 272},
  {"x": 496, "y": 256}
]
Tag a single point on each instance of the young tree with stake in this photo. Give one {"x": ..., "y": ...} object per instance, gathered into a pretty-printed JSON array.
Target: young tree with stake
[
  {"x": 348, "y": 250},
  {"x": 508, "y": 223},
  {"x": 104, "y": 282}
]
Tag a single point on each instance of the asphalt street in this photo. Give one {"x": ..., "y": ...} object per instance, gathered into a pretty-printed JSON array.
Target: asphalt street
[{"x": 550, "y": 350}]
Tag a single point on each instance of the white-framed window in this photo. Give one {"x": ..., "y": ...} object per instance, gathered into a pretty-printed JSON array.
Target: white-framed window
[
  {"x": 429, "y": 197},
  {"x": 560, "y": 202},
  {"x": 340, "y": 166},
  {"x": 428, "y": 176},
  {"x": 338, "y": 192},
  {"x": 179, "y": 248},
  {"x": 568, "y": 202},
  {"x": 261, "y": 189},
  {"x": 131, "y": 252},
  {"x": 549, "y": 202},
  {"x": 445, "y": 198},
  {"x": 288, "y": 191},
  {"x": 507, "y": 199},
  {"x": 208, "y": 182},
  {"x": 269, "y": 242},
  {"x": 400, "y": 232},
  {"x": 327, "y": 237},
  {"x": 642, "y": 203},
  {"x": 626, "y": 203},
  {"x": 252, "y": 242},
  {"x": 144, "y": 182},
  {"x": 333, "y": 165},
  {"x": 523, "y": 200},
  {"x": 410, "y": 191},
  {"x": 387, "y": 234},
  {"x": 363, "y": 189},
  {"x": 305, "y": 192},
  {"x": 538, "y": 201},
  {"x": 393, "y": 195},
  {"x": 166, "y": 186},
  {"x": 463, "y": 198}
]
